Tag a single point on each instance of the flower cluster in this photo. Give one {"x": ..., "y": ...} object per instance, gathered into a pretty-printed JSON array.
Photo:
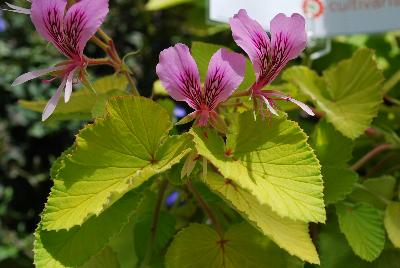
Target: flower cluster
[
  {"x": 68, "y": 28},
  {"x": 178, "y": 72}
]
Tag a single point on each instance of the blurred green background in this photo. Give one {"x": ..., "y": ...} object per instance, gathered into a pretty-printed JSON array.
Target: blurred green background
[{"x": 28, "y": 146}]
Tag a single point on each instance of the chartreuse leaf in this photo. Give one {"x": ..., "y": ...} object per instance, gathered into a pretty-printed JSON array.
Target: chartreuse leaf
[
  {"x": 392, "y": 223},
  {"x": 202, "y": 53},
  {"x": 272, "y": 161},
  {"x": 290, "y": 235},
  {"x": 112, "y": 156},
  {"x": 76, "y": 246},
  {"x": 83, "y": 103},
  {"x": 154, "y": 5},
  {"x": 334, "y": 151},
  {"x": 199, "y": 246},
  {"x": 362, "y": 225},
  {"x": 349, "y": 94}
]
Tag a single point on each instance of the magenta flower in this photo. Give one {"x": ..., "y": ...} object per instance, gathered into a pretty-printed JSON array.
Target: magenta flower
[
  {"x": 68, "y": 29},
  {"x": 270, "y": 55},
  {"x": 178, "y": 73}
]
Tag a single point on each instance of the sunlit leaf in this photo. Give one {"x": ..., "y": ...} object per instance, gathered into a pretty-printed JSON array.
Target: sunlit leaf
[
  {"x": 290, "y": 235},
  {"x": 154, "y": 5},
  {"x": 392, "y": 223},
  {"x": 199, "y": 246},
  {"x": 272, "y": 161},
  {"x": 83, "y": 104},
  {"x": 76, "y": 246},
  {"x": 112, "y": 156},
  {"x": 362, "y": 225},
  {"x": 349, "y": 94}
]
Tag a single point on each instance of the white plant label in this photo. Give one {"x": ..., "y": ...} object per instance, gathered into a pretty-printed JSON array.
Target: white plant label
[{"x": 324, "y": 17}]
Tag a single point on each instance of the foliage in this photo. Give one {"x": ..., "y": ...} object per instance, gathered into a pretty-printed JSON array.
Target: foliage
[{"x": 134, "y": 189}]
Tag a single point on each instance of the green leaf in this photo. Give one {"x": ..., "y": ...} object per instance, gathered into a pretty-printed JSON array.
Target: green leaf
[
  {"x": 106, "y": 258},
  {"x": 112, "y": 156},
  {"x": 165, "y": 231},
  {"x": 290, "y": 235},
  {"x": 334, "y": 151},
  {"x": 123, "y": 245},
  {"x": 338, "y": 183},
  {"x": 362, "y": 225},
  {"x": 392, "y": 223},
  {"x": 202, "y": 53},
  {"x": 199, "y": 246},
  {"x": 272, "y": 161},
  {"x": 334, "y": 250},
  {"x": 74, "y": 247},
  {"x": 83, "y": 104},
  {"x": 155, "y": 5},
  {"x": 375, "y": 191},
  {"x": 349, "y": 94}
]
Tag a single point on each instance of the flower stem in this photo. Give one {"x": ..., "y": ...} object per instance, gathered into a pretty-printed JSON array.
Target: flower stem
[
  {"x": 206, "y": 208},
  {"x": 103, "y": 35},
  {"x": 101, "y": 61},
  {"x": 154, "y": 223},
  {"x": 99, "y": 43},
  {"x": 132, "y": 83},
  {"x": 371, "y": 154},
  {"x": 242, "y": 94}
]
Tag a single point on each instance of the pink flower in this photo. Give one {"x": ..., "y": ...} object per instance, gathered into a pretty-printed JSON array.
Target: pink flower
[
  {"x": 68, "y": 29},
  {"x": 270, "y": 55},
  {"x": 178, "y": 73}
]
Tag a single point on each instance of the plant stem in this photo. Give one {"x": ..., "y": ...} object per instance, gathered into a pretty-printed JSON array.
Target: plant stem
[
  {"x": 101, "y": 61},
  {"x": 132, "y": 83},
  {"x": 206, "y": 208},
  {"x": 154, "y": 223},
  {"x": 103, "y": 35},
  {"x": 242, "y": 94},
  {"x": 99, "y": 43},
  {"x": 377, "y": 150}
]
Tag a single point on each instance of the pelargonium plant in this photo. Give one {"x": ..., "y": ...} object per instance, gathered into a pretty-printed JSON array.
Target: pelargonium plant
[{"x": 236, "y": 182}]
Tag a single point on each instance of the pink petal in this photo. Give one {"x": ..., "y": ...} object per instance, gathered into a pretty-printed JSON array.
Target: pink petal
[
  {"x": 82, "y": 21},
  {"x": 288, "y": 35},
  {"x": 302, "y": 105},
  {"x": 34, "y": 74},
  {"x": 269, "y": 106},
  {"x": 48, "y": 18},
  {"x": 17, "y": 9},
  {"x": 251, "y": 37},
  {"x": 68, "y": 86},
  {"x": 51, "y": 105},
  {"x": 178, "y": 73},
  {"x": 225, "y": 73}
]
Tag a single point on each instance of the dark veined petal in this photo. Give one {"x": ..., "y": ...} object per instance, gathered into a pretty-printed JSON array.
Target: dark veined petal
[
  {"x": 178, "y": 73},
  {"x": 225, "y": 73},
  {"x": 82, "y": 21},
  {"x": 48, "y": 18},
  {"x": 251, "y": 37},
  {"x": 68, "y": 31},
  {"x": 288, "y": 40},
  {"x": 288, "y": 36}
]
